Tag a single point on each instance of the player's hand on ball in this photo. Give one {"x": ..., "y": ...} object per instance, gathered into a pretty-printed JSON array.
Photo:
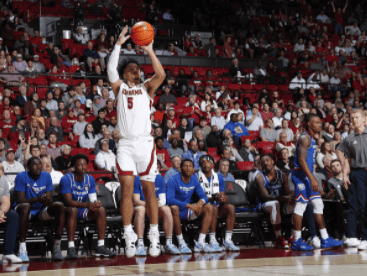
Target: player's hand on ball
[
  {"x": 148, "y": 47},
  {"x": 123, "y": 37}
]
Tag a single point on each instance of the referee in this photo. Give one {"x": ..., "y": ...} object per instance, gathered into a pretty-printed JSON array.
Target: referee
[{"x": 355, "y": 147}]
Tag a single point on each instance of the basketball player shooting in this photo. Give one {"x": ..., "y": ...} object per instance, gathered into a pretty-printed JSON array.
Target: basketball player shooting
[{"x": 136, "y": 148}]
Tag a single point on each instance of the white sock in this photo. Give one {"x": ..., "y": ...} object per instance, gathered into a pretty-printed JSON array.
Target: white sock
[
  {"x": 180, "y": 239},
  {"x": 168, "y": 240},
  {"x": 128, "y": 228},
  {"x": 22, "y": 246},
  {"x": 100, "y": 243},
  {"x": 228, "y": 236},
  {"x": 202, "y": 238},
  {"x": 278, "y": 233},
  {"x": 71, "y": 244},
  {"x": 324, "y": 233},
  {"x": 212, "y": 237},
  {"x": 57, "y": 243},
  {"x": 297, "y": 235},
  {"x": 140, "y": 241},
  {"x": 154, "y": 227}
]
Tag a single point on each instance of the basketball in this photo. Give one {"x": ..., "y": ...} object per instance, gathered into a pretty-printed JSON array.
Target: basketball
[{"x": 142, "y": 33}]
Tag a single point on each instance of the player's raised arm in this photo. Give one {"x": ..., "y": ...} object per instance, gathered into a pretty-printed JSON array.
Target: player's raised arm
[
  {"x": 113, "y": 75},
  {"x": 159, "y": 75},
  {"x": 303, "y": 144}
]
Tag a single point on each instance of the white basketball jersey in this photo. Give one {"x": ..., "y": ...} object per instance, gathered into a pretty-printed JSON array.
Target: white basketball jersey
[{"x": 133, "y": 111}]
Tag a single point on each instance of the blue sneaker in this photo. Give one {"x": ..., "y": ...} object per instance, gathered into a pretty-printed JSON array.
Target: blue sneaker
[
  {"x": 140, "y": 250},
  {"x": 230, "y": 246},
  {"x": 215, "y": 246},
  {"x": 330, "y": 242},
  {"x": 172, "y": 249},
  {"x": 300, "y": 244},
  {"x": 202, "y": 247},
  {"x": 184, "y": 249},
  {"x": 23, "y": 255}
]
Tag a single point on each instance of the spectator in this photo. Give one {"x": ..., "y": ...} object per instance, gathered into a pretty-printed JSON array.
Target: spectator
[
  {"x": 106, "y": 159},
  {"x": 237, "y": 129},
  {"x": 37, "y": 65},
  {"x": 167, "y": 17},
  {"x": 209, "y": 48},
  {"x": 3, "y": 46},
  {"x": 223, "y": 170},
  {"x": 297, "y": 82},
  {"x": 11, "y": 79},
  {"x": 176, "y": 168},
  {"x": 268, "y": 133},
  {"x": 208, "y": 101},
  {"x": 286, "y": 130},
  {"x": 254, "y": 121},
  {"x": 322, "y": 17},
  {"x": 81, "y": 38},
  {"x": 64, "y": 160},
  {"x": 55, "y": 129},
  {"x": 51, "y": 103},
  {"x": 354, "y": 30},
  {"x": 339, "y": 18},
  {"x": 329, "y": 135},
  {"x": 193, "y": 154},
  {"x": 11, "y": 166},
  {"x": 47, "y": 167},
  {"x": 192, "y": 112},
  {"x": 235, "y": 110},
  {"x": 218, "y": 120},
  {"x": 325, "y": 150},
  {"x": 175, "y": 150},
  {"x": 22, "y": 98},
  {"x": 213, "y": 139},
  {"x": 20, "y": 130},
  {"x": 88, "y": 139},
  {"x": 162, "y": 154},
  {"x": 167, "y": 98},
  {"x": 106, "y": 135},
  {"x": 91, "y": 56},
  {"x": 284, "y": 143},
  {"x": 248, "y": 151},
  {"x": 285, "y": 163},
  {"x": 203, "y": 127},
  {"x": 99, "y": 121},
  {"x": 20, "y": 65}
]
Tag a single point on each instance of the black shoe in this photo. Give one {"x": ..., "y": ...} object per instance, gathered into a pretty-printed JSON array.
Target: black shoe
[
  {"x": 72, "y": 254},
  {"x": 103, "y": 251}
]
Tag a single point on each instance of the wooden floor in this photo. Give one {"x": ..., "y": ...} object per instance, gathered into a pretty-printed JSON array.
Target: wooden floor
[{"x": 248, "y": 262}]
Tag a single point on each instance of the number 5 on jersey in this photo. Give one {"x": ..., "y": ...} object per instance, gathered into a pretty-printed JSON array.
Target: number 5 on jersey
[{"x": 130, "y": 102}]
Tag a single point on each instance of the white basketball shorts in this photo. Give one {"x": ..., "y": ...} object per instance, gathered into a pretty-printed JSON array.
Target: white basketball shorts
[{"x": 137, "y": 156}]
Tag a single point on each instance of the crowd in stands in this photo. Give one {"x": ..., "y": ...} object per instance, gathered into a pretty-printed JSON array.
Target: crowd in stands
[{"x": 56, "y": 101}]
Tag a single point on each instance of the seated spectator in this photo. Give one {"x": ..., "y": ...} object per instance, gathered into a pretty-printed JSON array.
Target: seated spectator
[
  {"x": 11, "y": 220},
  {"x": 37, "y": 65},
  {"x": 106, "y": 159},
  {"x": 237, "y": 129},
  {"x": 129, "y": 50},
  {"x": 53, "y": 150},
  {"x": 175, "y": 150},
  {"x": 22, "y": 98},
  {"x": 184, "y": 127},
  {"x": 236, "y": 70},
  {"x": 214, "y": 188},
  {"x": 193, "y": 153},
  {"x": 226, "y": 154},
  {"x": 284, "y": 143},
  {"x": 170, "y": 51},
  {"x": 325, "y": 150},
  {"x": 202, "y": 147},
  {"x": 33, "y": 193},
  {"x": 159, "y": 113},
  {"x": 285, "y": 163},
  {"x": 75, "y": 188},
  {"x": 208, "y": 101},
  {"x": 91, "y": 56},
  {"x": 192, "y": 52},
  {"x": 268, "y": 133},
  {"x": 192, "y": 112},
  {"x": 248, "y": 151},
  {"x": 61, "y": 111},
  {"x": 272, "y": 195},
  {"x": 55, "y": 129},
  {"x": 176, "y": 168},
  {"x": 235, "y": 110},
  {"x": 47, "y": 167},
  {"x": 319, "y": 110},
  {"x": 106, "y": 135},
  {"x": 213, "y": 139},
  {"x": 164, "y": 213},
  {"x": 223, "y": 170},
  {"x": 20, "y": 65},
  {"x": 64, "y": 160},
  {"x": 51, "y": 103},
  {"x": 297, "y": 82},
  {"x": 81, "y": 38},
  {"x": 162, "y": 153},
  {"x": 11, "y": 80},
  {"x": 254, "y": 121},
  {"x": 88, "y": 139},
  {"x": 167, "y": 98},
  {"x": 181, "y": 208},
  {"x": 100, "y": 120},
  {"x": 329, "y": 134},
  {"x": 12, "y": 166},
  {"x": 20, "y": 130},
  {"x": 218, "y": 120},
  {"x": 229, "y": 144},
  {"x": 323, "y": 18},
  {"x": 286, "y": 129},
  {"x": 203, "y": 127}
]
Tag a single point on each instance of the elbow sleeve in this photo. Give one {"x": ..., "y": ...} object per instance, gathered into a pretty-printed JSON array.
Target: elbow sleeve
[{"x": 112, "y": 64}]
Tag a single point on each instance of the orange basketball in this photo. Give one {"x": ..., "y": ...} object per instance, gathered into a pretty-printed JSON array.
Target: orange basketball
[{"x": 142, "y": 33}]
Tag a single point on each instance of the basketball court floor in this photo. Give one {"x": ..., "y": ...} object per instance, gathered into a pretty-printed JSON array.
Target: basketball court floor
[{"x": 253, "y": 261}]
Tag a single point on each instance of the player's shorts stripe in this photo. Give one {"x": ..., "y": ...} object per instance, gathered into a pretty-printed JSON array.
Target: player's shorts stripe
[
  {"x": 121, "y": 172},
  {"x": 150, "y": 163},
  {"x": 300, "y": 196}
]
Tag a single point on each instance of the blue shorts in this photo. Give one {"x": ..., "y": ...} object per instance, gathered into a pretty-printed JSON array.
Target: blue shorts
[
  {"x": 302, "y": 187},
  {"x": 82, "y": 213},
  {"x": 36, "y": 215},
  {"x": 187, "y": 214}
]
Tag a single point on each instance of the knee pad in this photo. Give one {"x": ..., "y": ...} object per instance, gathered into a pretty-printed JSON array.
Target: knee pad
[
  {"x": 318, "y": 206},
  {"x": 300, "y": 208},
  {"x": 149, "y": 177}
]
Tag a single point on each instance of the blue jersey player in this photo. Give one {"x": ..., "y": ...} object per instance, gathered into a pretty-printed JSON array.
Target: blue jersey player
[
  {"x": 33, "y": 191},
  {"x": 75, "y": 189},
  {"x": 164, "y": 212},
  {"x": 274, "y": 196},
  {"x": 180, "y": 190},
  {"x": 306, "y": 187}
]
